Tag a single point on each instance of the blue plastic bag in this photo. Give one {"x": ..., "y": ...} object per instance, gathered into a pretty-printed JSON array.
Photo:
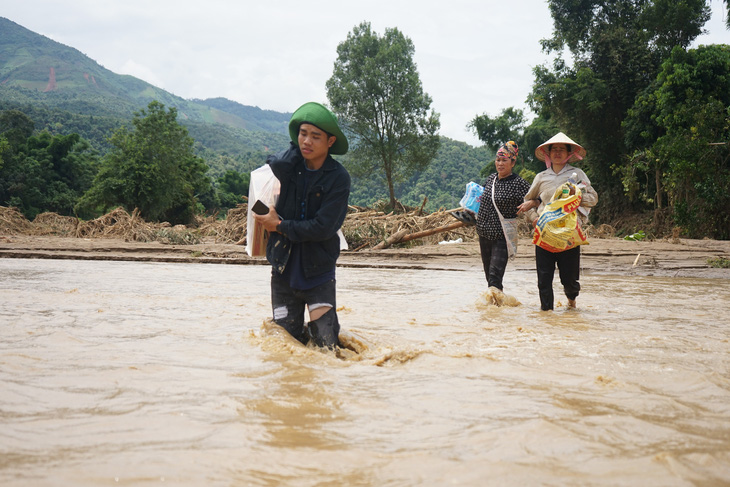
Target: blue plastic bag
[{"x": 472, "y": 197}]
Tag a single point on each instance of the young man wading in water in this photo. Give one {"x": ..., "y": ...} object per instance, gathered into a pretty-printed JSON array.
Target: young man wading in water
[{"x": 304, "y": 245}]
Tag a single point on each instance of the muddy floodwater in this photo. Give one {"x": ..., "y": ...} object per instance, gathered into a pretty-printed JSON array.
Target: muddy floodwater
[{"x": 127, "y": 373}]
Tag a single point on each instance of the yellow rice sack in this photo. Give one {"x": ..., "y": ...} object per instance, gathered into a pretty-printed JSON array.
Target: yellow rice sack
[{"x": 558, "y": 227}]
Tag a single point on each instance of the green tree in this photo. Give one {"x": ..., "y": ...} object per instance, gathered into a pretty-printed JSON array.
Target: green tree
[
  {"x": 65, "y": 169},
  {"x": 151, "y": 167},
  {"x": 15, "y": 127},
  {"x": 4, "y": 151},
  {"x": 617, "y": 48},
  {"x": 680, "y": 127},
  {"x": 376, "y": 91},
  {"x": 42, "y": 172},
  {"x": 509, "y": 125},
  {"x": 231, "y": 187},
  {"x": 494, "y": 132}
]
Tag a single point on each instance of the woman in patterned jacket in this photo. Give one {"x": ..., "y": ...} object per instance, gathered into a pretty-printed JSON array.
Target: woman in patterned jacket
[{"x": 509, "y": 193}]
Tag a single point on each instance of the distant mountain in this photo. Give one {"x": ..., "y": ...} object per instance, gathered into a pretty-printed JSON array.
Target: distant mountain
[{"x": 37, "y": 70}]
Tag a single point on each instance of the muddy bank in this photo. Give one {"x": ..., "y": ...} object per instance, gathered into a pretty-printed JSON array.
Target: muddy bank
[{"x": 674, "y": 258}]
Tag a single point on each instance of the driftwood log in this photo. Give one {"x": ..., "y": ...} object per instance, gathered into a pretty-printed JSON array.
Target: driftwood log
[
  {"x": 393, "y": 239},
  {"x": 433, "y": 231},
  {"x": 404, "y": 236}
]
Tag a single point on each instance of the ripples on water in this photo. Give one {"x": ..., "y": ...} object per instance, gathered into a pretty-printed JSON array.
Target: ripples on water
[{"x": 148, "y": 373}]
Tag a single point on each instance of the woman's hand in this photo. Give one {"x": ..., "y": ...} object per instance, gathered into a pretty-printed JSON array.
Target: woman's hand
[{"x": 528, "y": 205}]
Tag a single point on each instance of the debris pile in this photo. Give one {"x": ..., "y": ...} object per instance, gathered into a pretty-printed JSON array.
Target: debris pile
[
  {"x": 364, "y": 228},
  {"x": 54, "y": 224},
  {"x": 115, "y": 224},
  {"x": 368, "y": 228},
  {"x": 119, "y": 224},
  {"x": 232, "y": 229},
  {"x": 12, "y": 222}
]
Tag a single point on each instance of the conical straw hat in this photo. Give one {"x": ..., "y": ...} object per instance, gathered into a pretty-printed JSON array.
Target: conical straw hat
[{"x": 560, "y": 138}]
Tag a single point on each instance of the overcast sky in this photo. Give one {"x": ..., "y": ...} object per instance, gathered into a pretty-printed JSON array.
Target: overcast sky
[{"x": 473, "y": 56}]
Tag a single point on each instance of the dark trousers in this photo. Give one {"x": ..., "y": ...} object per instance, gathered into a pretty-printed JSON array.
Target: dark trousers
[
  {"x": 568, "y": 263},
  {"x": 288, "y": 306},
  {"x": 494, "y": 259}
]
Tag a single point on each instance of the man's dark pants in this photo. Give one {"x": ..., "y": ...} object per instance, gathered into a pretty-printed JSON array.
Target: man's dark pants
[{"x": 288, "y": 306}]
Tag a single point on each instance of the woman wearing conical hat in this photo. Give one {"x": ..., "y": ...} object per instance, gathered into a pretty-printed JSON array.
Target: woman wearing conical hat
[{"x": 557, "y": 153}]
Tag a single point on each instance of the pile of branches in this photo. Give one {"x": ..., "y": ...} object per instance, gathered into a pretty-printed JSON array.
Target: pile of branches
[
  {"x": 12, "y": 222},
  {"x": 54, "y": 224},
  {"x": 119, "y": 224},
  {"x": 364, "y": 227},
  {"x": 115, "y": 224},
  {"x": 230, "y": 230}
]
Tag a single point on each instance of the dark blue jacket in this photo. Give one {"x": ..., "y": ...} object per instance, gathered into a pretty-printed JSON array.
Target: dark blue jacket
[{"x": 325, "y": 211}]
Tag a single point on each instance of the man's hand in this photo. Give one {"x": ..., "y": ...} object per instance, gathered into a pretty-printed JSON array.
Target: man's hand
[{"x": 269, "y": 221}]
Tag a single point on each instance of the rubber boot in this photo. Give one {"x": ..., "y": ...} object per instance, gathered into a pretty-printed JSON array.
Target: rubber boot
[
  {"x": 325, "y": 330},
  {"x": 296, "y": 329}
]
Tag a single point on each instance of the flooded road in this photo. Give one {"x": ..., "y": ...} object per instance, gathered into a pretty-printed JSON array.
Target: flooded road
[{"x": 123, "y": 373}]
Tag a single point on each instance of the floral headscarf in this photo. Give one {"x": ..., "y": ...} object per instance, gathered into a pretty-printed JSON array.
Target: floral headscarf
[{"x": 508, "y": 149}]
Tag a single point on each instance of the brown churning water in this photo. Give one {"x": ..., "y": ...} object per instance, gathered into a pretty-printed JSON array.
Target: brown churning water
[{"x": 148, "y": 373}]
